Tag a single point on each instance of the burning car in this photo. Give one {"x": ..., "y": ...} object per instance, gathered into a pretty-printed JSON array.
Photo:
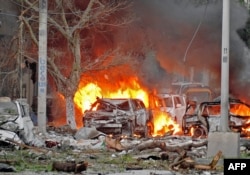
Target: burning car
[
  {"x": 126, "y": 116},
  {"x": 194, "y": 91},
  {"x": 173, "y": 104},
  {"x": 207, "y": 118}
]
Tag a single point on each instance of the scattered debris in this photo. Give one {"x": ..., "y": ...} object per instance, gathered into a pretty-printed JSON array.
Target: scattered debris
[
  {"x": 114, "y": 143},
  {"x": 174, "y": 152},
  {"x": 87, "y": 133},
  {"x": 212, "y": 165},
  {"x": 6, "y": 168},
  {"x": 69, "y": 166}
]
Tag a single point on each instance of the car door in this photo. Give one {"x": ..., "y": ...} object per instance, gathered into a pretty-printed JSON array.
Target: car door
[
  {"x": 141, "y": 115},
  {"x": 179, "y": 108}
]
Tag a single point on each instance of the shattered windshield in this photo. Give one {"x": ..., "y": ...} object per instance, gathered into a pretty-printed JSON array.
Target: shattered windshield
[
  {"x": 168, "y": 102},
  {"x": 110, "y": 105},
  {"x": 8, "y": 108}
]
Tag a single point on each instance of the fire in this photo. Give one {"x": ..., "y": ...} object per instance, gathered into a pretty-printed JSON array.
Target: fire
[
  {"x": 86, "y": 95},
  {"x": 162, "y": 124},
  {"x": 240, "y": 109},
  {"x": 129, "y": 88}
]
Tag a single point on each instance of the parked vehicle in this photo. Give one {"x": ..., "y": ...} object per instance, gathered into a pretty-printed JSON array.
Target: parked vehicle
[
  {"x": 117, "y": 116},
  {"x": 181, "y": 87},
  {"x": 194, "y": 91},
  {"x": 207, "y": 118},
  {"x": 173, "y": 104}
]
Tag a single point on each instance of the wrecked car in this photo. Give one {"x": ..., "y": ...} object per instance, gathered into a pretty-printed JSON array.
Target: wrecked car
[
  {"x": 172, "y": 104},
  {"x": 10, "y": 115},
  {"x": 206, "y": 118},
  {"x": 125, "y": 116},
  {"x": 194, "y": 91},
  {"x": 16, "y": 125}
]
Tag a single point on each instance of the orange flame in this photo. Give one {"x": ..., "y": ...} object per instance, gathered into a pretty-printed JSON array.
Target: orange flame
[
  {"x": 162, "y": 124},
  {"x": 129, "y": 88},
  {"x": 240, "y": 109},
  {"x": 86, "y": 95}
]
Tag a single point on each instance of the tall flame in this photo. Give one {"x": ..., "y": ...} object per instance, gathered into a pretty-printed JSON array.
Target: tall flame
[
  {"x": 86, "y": 95},
  {"x": 163, "y": 123},
  {"x": 129, "y": 88}
]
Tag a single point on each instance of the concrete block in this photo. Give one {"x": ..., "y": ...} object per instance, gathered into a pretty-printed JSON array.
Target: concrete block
[{"x": 227, "y": 142}]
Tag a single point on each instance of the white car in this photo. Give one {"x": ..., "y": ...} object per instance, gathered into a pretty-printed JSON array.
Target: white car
[
  {"x": 173, "y": 104},
  {"x": 126, "y": 116},
  {"x": 15, "y": 122}
]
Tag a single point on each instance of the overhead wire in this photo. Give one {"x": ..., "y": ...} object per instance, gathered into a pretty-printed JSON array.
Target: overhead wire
[{"x": 195, "y": 33}]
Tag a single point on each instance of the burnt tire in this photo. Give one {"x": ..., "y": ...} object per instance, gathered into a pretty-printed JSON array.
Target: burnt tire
[{"x": 200, "y": 131}]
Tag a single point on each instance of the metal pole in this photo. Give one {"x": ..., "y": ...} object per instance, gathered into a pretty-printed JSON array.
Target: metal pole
[
  {"x": 42, "y": 66},
  {"x": 225, "y": 65}
]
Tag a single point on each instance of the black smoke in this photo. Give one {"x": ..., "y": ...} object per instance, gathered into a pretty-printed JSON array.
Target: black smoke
[{"x": 186, "y": 34}]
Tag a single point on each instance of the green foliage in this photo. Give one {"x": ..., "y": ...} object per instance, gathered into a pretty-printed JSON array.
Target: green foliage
[
  {"x": 23, "y": 160},
  {"x": 245, "y": 155}
]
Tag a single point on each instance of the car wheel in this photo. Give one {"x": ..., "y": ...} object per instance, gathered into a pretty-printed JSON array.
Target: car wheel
[{"x": 199, "y": 131}]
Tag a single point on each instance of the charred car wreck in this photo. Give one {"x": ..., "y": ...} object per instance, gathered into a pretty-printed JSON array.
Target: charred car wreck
[
  {"x": 206, "y": 118},
  {"x": 125, "y": 116}
]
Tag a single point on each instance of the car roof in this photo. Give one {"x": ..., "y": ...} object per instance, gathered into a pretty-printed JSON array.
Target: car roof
[
  {"x": 118, "y": 100},
  {"x": 231, "y": 101},
  {"x": 165, "y": 95}
]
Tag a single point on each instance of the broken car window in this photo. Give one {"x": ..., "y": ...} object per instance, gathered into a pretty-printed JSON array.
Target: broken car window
[
  {"x": 168, "y": 102},
  {"x": 124, "y": 106},
  {"x": 8, "y": 108}
]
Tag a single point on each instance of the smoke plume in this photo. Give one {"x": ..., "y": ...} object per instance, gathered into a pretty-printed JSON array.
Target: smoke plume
[{"x": 183, "y": 35}]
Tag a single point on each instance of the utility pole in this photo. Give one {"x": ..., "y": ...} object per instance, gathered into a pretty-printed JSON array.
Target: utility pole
[
  {"x": 225, "y": 66},
  {"x": 42, "y": 67},
  {"x": 224, "y": 140}
]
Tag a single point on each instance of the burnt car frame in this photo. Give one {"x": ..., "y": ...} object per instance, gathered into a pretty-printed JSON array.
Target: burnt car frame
[
  {"x": 124, "y": 116},
  {"x": 173, "y": 105},
  {"x": 207, "y": 117}
]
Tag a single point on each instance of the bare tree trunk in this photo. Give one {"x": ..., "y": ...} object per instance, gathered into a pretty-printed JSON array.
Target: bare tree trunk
[{"x": 70, "y": 112}]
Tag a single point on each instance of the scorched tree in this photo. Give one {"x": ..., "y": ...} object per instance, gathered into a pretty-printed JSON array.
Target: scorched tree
[{"x": 75, "y": 29}]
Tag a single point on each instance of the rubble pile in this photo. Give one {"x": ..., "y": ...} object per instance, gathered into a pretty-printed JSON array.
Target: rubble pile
[{"x": 89, "y": 151}]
